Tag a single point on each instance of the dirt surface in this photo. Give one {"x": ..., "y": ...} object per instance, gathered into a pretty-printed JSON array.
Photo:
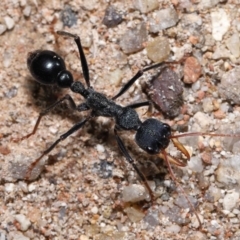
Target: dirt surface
[{"x": 78, "y": 194}]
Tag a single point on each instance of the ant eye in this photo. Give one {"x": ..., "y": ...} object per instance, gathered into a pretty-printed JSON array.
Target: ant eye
[
  {"x": 166, "y": 126},
  {"x": 150, "y": 150}
]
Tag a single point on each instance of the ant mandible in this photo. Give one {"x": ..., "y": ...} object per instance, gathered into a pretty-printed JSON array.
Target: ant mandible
[{"x": 153, "y": 136}]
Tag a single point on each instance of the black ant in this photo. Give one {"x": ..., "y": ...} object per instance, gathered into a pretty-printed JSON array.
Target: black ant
[{"x": 152, "y": 136}]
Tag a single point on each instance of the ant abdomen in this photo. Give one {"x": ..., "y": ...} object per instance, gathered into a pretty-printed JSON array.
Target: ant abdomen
[
  {"x": 49, "y": 68},
  {"x": 153, "y": 136}
]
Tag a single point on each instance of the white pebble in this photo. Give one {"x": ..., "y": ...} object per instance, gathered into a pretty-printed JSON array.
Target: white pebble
[
  {"x": 9, "y": 187},
  {"x": 24, "y": 222},
  {"x": 84, "y": 237},
  {"x": 220, "y": 24},
  {"x": 53, "y": 130},
  {"x": 173, "y": 228},
  {"x": 31, "y": 187},
  {"x": 23, "y": 3},
  {"x": 230, "y": 200},
  {"x": 195, "y": 164},
  {"x": 27, "y": 11},
  {"x": 134, "y": 193},
  {"x": 145, "y": 6},
  {"x": 233, "y": 44},
  {"x": 100, "y": 148},
  {"x": 3, "y": 28},
  {"x": 229, "y": 168},
  {"x": 94, "y": 210},
  {"x": 9, "y": 22}
]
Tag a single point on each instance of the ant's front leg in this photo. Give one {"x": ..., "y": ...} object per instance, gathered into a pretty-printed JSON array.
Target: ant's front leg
[
  {"x": 83, "y": 59},
  {"x": 143, "y": 104},
  {"x": 131, "y": 161},
  {"x": 126, "y": 86}
]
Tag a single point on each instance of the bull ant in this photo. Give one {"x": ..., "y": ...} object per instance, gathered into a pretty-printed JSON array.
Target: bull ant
[{"x": 153, "y": 136}]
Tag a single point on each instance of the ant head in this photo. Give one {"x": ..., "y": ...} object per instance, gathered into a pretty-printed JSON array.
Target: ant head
[
  {"x": 49, "y": 68},
  {"x": 153, "y": 136}
]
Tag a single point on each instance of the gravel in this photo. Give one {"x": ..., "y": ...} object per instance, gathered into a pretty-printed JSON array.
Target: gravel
[{"x": 77, "y": 191}]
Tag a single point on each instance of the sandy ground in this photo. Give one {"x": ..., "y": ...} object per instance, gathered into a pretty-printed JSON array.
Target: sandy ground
[{"x": 78, "y": 195}]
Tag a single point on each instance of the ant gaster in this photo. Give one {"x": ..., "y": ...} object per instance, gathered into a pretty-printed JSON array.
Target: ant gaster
[{"x": 152, "y": 136}]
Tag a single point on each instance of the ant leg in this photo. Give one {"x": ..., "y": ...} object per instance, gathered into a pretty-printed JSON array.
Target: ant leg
[
  {"x": 140, "y": 104},
  {"x": 143, "y": 104},
  {"x": 81, "y": 53},
  {"x": 61, "y": 138},
  {"x": 131, "y": 161},
  {"x": 46, "y": 111},
  {"x": 126, "y": 86}
]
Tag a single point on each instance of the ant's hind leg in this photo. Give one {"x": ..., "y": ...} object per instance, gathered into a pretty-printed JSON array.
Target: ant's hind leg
[
  {"x": 131, "y": 161},
  {"x": 45, "y": 112},
  {"x": 48, "y": 150}
]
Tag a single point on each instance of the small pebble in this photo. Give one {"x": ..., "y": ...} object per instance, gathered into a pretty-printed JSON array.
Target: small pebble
[
  {"x": 229, "y": 88},
  {"x": 230, "y": 200},
  {"x": 84, "y": 237},
  {"x": 9, "y": 22},
  {"x": 206, "y": 157},
  {"x": 23, "y": 185},
  {"x": 145, "y": 6},
  {"x": 221, "y": 52},
  {"x": 31, "y": 187},
  {"x": 165, "y": 90},
  {"x": 27, "y": 11},
  {"x": 207, "y": 105},
  {"x": 203, "y": 121},
  {"x": 9, "y": 187},
  {"x": 233, "y": 44},
  {"x": 163, "y": 19},
  {"x": 197, "y": 235},
  {"x": 112, "y": 17},
  {"x": 219, "y": 114},
  {"x": 68, "y": 17},
  {"x": 89, "y": 4},
  {"x": 134, "y": 214},
  {"x": 17, "y": 236},
  {"x": 158, "y": 50},
  {"x": 134, "y": 193},
  {"x": 173, "y": 229},
  {"x": 132, "y": 41},
  {"x": 231, "y": 167},
  {"x": 94, "y": 210},
  {"x": 214, "y": 194},
  {"x": 220, "y": 23},
  {"x": 191, "y": 22},
  {"x": 23, "y": 221},
  {"x": 207, "y": 4},
  {"x": 152, "y": 218},
  {"x": 182, "y": 202},
  {"x": 116, "y": 77},
  {"x": 3, "y": 28},
  {"x": 100, "y": 148},
  {"x": 192, "y": 70}
]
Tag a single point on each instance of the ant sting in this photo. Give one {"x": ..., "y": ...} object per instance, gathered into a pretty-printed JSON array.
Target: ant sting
[{"x": 152, "y": 135}]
